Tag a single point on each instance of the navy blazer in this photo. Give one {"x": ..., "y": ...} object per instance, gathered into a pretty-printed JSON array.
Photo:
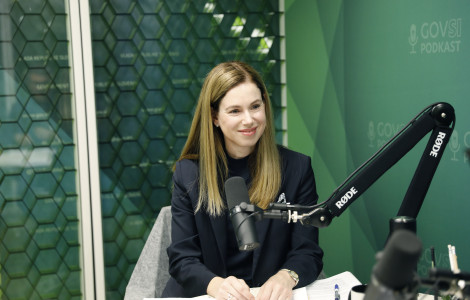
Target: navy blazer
[{"x": 198, "y": 251}]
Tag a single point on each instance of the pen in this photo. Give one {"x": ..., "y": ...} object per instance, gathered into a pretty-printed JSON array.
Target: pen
[
  {"x": 337, "y": 296},
  {"x": 453, "y": 259}
]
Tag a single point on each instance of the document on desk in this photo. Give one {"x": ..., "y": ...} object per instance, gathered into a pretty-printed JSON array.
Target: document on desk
[
  {"x": 297, "y": 294},
  {"x": 322, "y": 289}
]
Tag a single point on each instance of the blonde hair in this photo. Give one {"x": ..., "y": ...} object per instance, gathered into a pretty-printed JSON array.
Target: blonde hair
[{"x": 205, "y": 142}]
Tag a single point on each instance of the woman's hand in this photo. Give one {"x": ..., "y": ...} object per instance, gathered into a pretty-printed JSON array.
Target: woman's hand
[
  {"x": 230, "y": 288},
  {"x": 278, "y": 287}
]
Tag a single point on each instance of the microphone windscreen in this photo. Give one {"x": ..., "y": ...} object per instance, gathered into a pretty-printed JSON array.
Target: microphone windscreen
[
  {"x": 243, "y": 224},
  {"x": 236, "y": 191},
  {"x": 398, "y": 261}
]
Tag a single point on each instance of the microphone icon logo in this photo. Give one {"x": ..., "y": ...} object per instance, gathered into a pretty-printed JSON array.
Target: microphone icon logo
[
  {"x": 454, "y": 144},
  {"x": 413, "y": 38}
]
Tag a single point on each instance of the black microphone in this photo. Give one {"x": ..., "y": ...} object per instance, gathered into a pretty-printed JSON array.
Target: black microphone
[
  {"x": 243, "y": 224},
  {"x": 393, "y": 276}
]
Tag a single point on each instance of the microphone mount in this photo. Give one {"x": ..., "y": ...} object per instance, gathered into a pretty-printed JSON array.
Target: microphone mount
[{"x": 448, "y": 282}]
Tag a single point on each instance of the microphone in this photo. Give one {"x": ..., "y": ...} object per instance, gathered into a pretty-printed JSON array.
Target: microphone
[
  {"x": 393, "y": 274},
  {"x": 243, "y": 224}
]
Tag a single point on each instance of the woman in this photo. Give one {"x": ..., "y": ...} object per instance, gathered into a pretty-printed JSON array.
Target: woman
[{"x": 232, "y": 134}]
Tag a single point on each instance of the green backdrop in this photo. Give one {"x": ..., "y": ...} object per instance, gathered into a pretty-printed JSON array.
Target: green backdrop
[
  {"x": 357, "y": 72},
  {"x": 40, "y": 242}
]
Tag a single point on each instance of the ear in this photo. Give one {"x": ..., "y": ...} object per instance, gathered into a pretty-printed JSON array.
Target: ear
[{"x": 215, "y": 120}]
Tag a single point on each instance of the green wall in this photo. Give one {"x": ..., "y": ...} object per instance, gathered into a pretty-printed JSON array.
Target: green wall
[{"x": 357, "y": 72}]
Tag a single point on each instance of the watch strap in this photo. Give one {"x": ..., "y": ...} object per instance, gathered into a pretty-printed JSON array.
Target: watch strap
[{"x": 292, "y": 275}]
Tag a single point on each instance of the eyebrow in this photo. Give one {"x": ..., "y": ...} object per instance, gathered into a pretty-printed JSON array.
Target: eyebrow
[{"x": 237, "y": 106}]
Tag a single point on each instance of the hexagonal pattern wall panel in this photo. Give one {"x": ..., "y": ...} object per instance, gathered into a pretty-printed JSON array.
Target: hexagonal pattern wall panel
[
  {"x": 150, "y": 58},
  {"x": 39, "y": 232}
]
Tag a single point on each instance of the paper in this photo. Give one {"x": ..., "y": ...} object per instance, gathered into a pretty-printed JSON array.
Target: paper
[
  {"x": 323, "y": 289},
  {"x": 297, "y": 294}
]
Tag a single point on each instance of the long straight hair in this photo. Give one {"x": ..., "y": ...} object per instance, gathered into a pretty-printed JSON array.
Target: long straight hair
[{"x": 205, "y": 142}]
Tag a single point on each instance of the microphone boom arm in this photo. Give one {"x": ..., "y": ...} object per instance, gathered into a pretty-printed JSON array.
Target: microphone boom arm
[{"x": 439, "y": 119}]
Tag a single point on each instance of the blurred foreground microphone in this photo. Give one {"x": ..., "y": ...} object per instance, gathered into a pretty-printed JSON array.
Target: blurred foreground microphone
[
  {"x": 243, "y": 225},
  {"x": 393, "y": 276}
]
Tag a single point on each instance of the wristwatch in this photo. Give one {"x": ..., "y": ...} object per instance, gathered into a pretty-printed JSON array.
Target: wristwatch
[{"x": 292, "y": 275}]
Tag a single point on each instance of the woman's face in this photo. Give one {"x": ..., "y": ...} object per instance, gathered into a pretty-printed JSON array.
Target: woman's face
[{"x": 242, "y": 119}]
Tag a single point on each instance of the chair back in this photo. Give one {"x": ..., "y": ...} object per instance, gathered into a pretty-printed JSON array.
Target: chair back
[{"x": 150, "y": 274}]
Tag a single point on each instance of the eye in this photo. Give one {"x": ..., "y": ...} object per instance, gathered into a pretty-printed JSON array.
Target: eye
[
  {"x": 256, "y": 106},
  {"x": 234, "y": 111}
]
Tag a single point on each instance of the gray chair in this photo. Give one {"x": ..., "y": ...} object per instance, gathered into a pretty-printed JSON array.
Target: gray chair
[{"x": 150, "y": 274}]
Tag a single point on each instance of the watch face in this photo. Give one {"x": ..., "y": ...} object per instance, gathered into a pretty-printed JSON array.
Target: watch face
[{"x": 293, "y": 274}]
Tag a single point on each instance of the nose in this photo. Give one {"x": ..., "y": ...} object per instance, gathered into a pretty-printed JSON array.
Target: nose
[{"x": 247, "y": 118}]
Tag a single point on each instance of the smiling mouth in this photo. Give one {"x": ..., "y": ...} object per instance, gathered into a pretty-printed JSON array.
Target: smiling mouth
[{"x": 250, "y": 131}]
